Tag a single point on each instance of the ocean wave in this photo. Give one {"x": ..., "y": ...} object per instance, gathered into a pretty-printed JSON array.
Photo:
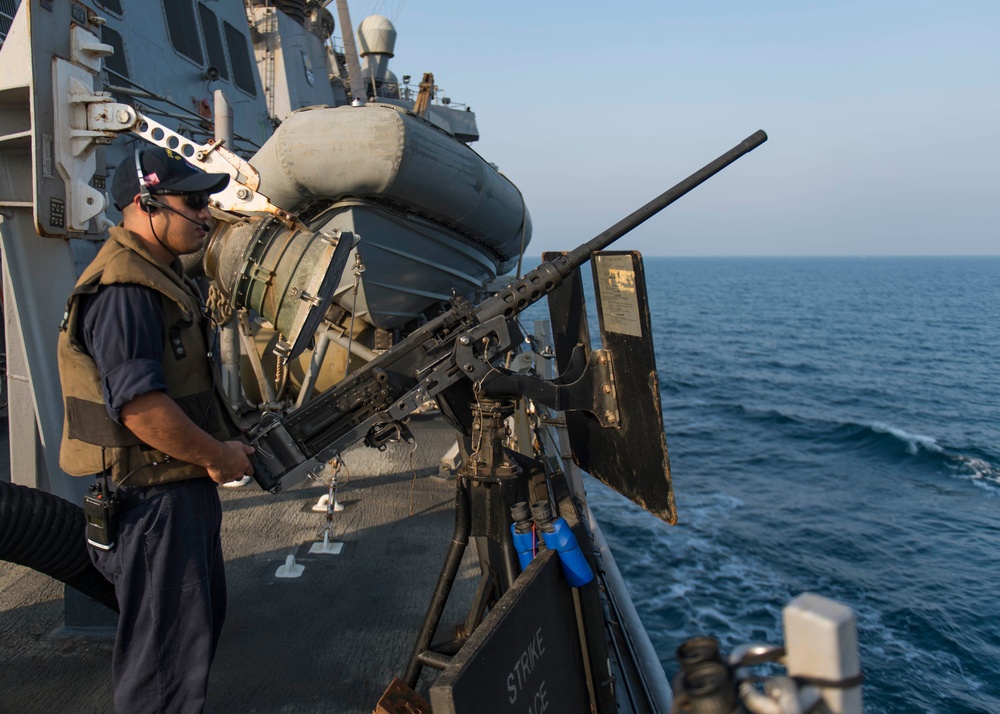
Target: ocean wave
[
  {"x": 913, "y": 443},
  {"x": 870, "y": 439},
  {"x": 895, "y": 441},
  {"x": 881, "y": 439},
  {"x": 768, "y": 416}
]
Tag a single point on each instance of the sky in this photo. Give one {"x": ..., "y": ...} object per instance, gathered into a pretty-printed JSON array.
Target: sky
[{"x": 882, "y": 117}]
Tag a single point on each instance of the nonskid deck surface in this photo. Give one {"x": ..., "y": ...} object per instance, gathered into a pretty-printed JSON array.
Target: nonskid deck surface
[{"x": 330, "y": 641}]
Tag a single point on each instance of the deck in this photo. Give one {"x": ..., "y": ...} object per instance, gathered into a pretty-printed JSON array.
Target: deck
[{"x": 330, "y": 641}]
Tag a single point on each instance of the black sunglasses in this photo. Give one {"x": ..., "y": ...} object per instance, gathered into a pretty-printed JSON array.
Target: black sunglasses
[{"x": 194, "y": 201}]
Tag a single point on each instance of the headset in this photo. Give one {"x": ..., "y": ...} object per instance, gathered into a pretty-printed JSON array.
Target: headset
[{"x": 145, "y": 197}]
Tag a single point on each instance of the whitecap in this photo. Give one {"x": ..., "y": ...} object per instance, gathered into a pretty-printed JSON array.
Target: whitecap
[
  {"x": 979, "y": 471},
  {"x": 914, "y": 442}
]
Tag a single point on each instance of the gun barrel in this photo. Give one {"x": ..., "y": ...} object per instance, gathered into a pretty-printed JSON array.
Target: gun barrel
[
  {"x": 580, "y": 256},
  {"x": 547, "y": 276}
]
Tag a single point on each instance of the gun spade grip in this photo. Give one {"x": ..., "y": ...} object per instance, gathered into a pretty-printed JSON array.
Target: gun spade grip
[{"x": 263, "y": 476}]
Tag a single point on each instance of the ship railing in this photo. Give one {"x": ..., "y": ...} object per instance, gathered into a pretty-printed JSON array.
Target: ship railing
[
  {"x": 335, "y": 45},
  {"x": 395, "y": 90}
]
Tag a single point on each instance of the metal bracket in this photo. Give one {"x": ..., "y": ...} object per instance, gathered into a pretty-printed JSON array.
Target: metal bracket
[
  {"x": 73, "y": 99},
  {"x": 87, "y": 50},
  {"x": 313, "y": 300},
  {"x": 584, "y": 386},
  {"x": 481, "y": 344},
  {"x": 109, "y": 117},
  {"x": 86, "y": 118},
  {"x": 95, "y": 118},
  {"x": 408, "y": 403},
  {"x": 240, "y": 195},
  {"x": 383, "y": 433},
  {"x": 600, "y": 366}
]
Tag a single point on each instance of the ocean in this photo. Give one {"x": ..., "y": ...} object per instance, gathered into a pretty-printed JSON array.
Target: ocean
[{"x": 833, "y": 427}]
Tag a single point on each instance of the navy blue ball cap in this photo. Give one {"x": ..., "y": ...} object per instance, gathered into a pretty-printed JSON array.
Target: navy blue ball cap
[{"x": 163, "y": 171}]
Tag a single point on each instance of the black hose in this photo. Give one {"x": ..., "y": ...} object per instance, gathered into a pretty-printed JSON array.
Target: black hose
[{"x": 46, "y": 533}]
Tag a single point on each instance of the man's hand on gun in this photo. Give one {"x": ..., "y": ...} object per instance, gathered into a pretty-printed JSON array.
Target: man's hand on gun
[{"x": 233, "y": 462}]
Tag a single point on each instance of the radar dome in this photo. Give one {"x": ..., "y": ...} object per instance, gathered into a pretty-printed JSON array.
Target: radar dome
[{"x": 377, "y": 36}]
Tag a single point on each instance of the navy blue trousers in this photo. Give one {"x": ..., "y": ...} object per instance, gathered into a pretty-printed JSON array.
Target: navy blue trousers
[{"x": 169, "y": 576}]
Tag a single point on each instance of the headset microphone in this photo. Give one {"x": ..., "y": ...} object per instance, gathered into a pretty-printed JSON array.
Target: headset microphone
[{"x": 157, "y": 204}]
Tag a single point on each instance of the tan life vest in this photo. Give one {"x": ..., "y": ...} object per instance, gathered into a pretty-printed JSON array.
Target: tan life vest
[{"x": 92, "y": 441}]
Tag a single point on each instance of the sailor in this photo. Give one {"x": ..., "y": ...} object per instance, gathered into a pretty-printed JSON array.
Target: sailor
[{"x": 143, "y": 409}]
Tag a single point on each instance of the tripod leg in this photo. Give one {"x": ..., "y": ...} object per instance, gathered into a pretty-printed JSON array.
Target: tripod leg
[
  {"x": 459, "y": 542},
  {"x": 484, "y": 594}
]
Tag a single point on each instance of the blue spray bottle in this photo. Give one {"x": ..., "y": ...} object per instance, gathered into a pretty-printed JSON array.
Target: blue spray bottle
[{"x": 559, "y": 537}]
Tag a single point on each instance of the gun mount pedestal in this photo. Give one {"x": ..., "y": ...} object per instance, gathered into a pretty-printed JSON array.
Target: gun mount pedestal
[{"x": 489, "y": 482}]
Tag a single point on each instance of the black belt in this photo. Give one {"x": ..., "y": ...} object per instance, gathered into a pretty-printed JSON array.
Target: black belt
[{"x": 130, "y": 497}]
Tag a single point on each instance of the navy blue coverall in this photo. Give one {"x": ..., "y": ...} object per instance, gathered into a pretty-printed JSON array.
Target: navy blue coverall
[{"x": 167, "y": 564}]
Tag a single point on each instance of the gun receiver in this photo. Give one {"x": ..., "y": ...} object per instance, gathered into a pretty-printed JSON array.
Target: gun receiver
[{"x": 458, "y": 346}]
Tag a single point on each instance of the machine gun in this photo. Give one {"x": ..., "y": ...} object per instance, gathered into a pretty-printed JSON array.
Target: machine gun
[{"x": 445, "y": 359}]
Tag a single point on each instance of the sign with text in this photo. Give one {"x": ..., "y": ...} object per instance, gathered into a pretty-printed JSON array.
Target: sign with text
[{"x": 525, "y": 657}]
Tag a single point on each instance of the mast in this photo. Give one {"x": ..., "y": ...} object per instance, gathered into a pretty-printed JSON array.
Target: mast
[{"x": 351, "y": 51}]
